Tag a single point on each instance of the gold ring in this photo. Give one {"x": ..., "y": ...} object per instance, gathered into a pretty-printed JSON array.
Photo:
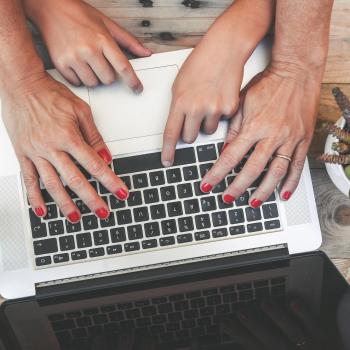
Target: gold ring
[{"x": 277, "y": 155}]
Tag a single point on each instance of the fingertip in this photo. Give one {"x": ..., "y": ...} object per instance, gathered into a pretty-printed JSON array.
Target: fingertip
[
  {"x": 167, "y": 163},
  {"x": 74, "y": 217},
  {"x": 40, "y": 211},
  {"x": 138, "y": 89},
  {"x": 122, "y": 194}
]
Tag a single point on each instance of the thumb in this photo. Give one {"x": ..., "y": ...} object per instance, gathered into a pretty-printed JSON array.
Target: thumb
[{"x": 91, "y": 134}]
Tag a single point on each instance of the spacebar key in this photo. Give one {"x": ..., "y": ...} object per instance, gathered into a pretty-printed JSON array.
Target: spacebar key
[{"x": 150, "y": 161}]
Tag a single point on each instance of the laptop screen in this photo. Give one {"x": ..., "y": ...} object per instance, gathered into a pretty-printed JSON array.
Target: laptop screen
[{"x": 298, "y": 302}]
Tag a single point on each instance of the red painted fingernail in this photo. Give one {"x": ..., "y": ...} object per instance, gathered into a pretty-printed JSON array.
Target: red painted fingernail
[
  {"x": 224, "y": 146},
  {"x": 105, "y": 155},
  {"x": 74, "y": 217},
  {"x": 121, "y": 194},
  {"x": 102, "y": 213},
  {"x": 39, "y": 211},
  {"x": 228, "y": 198},
  {"x": 286, "y": 195},
  {"x": 255, "y": 203},
  {"x": 206, "y": 187}
]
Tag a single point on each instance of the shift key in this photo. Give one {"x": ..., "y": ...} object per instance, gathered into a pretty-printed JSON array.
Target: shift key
[{"x": 45, "y": 246}]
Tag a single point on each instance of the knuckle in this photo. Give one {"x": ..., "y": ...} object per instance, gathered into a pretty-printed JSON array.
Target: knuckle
[
  {"x": 96, "y": 168},
  {"x": 95, "y": 138},
  {"x": 298, "y": 164},
  {"x": 278, "y": 171},
  {"x": 30, "y": 181},
  {"x": 125, "y": 68},
  {"x": 170, "y": 136},
  {"x": 228, "y": 160},
  {"x": 52, "y": 184},
  {"x": 75, "y": 182},
  {"x": 230, "y": 108}
]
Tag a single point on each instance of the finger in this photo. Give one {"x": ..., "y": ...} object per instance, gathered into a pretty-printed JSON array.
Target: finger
[
  {"x": 69, "y": 74},
  {"x": 211, "y": 122},
  {"x": 31, "y": 181},
  {"x": 191, "y": 126},
  {"x": 252, "y": 169},
  {"x": 93, "y": 164},
  {"x": 127, "y": 40},
  {"x": 85, "y": 74},
  {"x": 276, "y": 172},
  {"x": 234, "y": 127},
  {"x": 102, "y": 68},
  {"x": 90, "y": 132},
  {"x": 172, "y": 134},
  {"x": 54, "y": 186},
  {"x": 294, "y": 171},
  {"x": 78, "y": 183},
  {"x": 122, "y": 66}
]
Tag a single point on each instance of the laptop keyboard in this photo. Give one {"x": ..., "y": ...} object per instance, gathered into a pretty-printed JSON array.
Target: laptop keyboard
[
  {"x": 165, "y": 209},
  {"x": 170, "y": 320}
]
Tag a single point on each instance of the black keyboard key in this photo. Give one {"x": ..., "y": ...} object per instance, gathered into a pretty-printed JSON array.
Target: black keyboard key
[
  {"x": 236, "y": 216},
  {"x": 60, "y": 258},
  {"x": 202, "y": 221},
  {"x": 202, "y": 235},
  {"x": 63, "y": 325},
  {"x": 220, "y": 232},
  {"x": 103, "y": 190},
  {"x": 90, "y": 222},
  {"x": 46, "y": 196},
  {"x": 270, "y": 211},
  {"x": 84, "y": 240},
  {"x": 56, "y": 227},
  {"x": 116, "y": 203},
  {"x": 45, "y": 246},
  {"x": 174, "y": 209},
  {"x": 191, "y": 206},
  {"x": 140, "y": 180},
  {"x": 185, "y": 224},
  {"x": 167, "y": 193},
  {"x": 219, "y": 146},
  {"x": 135, "y": 232},
  {"x": 152, "y": 229},
  {"x": 219, "y": 218},
  {"x": 149, "y": 243},
  {"x": 79, "y": 255},
  {"x": 237, "y": 230},
  {"x": 83, "y": 208},
  {"x": 108, "y": 222},
  {"x": 127, "y": 181},
  {"x": 67, "y": 243},
  {"x": 208, "y": 203},
  {"x": 197, "y": 189},
  {"x": 230, "y": 179},
  {"x": 43, "y": 260},
  {"x": 101, "y": 237},
  {"x": 157, "y": 211},
  {"x": 114, "y": 249},
  {"x": 157, "y": 178},
  {"x": 135, "y": 198},
  {"x": 141, "y": 214},
  {"x": 184, "y": 238},
  {"x": 51, "y": 212},
  {"x": 165, "y": 241},
  {"x": 184, "y": 190},
  {"x": 76, "y": 227},
  {"x": 255, "y": 227},
  {"x": 169, "y": 227},
  {"x": 220, "y": 187},
  {"x": 173, "y": 175},
  {"x": 132, "y": 246},
  {"x": 206, "y": 153},
  {"x": 242, "y": 200},
  {"x": 118, "y": 234},
  {"x": 190, "y": 173},
  {"x": 222, "y": 204},
  {"x": 204, "y": 168},
  {"x": 272, "y": 224},
  {"x": 124, "y": 217},
  {"x": 38, "y": 227},
  {"x": 96, "y": 252},
  {"x": 253, "y": 214},
  {"x": 151, "y": 196}
]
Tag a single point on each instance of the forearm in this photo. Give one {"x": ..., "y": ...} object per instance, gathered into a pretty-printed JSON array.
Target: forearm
[
  {"x": 302, "y": 35},
  {"x": 18, "y": 58}
]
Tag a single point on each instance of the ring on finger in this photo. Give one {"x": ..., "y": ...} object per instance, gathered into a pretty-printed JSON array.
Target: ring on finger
[{"x": 283, "y": 156}]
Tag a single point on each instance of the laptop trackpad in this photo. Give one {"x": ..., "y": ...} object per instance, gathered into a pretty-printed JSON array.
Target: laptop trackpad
[{"x": 120, "y": 114}]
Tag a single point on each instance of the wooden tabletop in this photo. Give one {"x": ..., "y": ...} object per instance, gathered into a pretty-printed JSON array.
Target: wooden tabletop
[{"x": 165, "y": 25}]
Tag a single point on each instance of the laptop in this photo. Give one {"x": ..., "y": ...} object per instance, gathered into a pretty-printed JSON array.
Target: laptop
[
  {"x": 282, "y": 302},
  {"x": 167, "y": 220}
]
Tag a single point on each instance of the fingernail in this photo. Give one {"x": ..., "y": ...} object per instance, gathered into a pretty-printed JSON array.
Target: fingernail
[
  {"x": 74, "y": 217},
  {"x": 166, "y": 163},
  {"x": 228, "y": 198},
  {"x": 121, "y": 194},
  {"x": 286, "y": 195},
  {"x": 102, "y": 213},
  {"x": 105, "y": 155},
  {"x": 224, "y": 146},
  {"x": 39, "y": 211},
  {"x": 255, "y": 203},
  {"x": 206, "y": 187}
]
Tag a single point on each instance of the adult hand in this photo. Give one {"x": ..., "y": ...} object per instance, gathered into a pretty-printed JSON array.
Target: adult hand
[
  {"x": 84, "y": 44},
  {"x": 49, "y": 127},
  {"x": 277, "y": 115}
]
